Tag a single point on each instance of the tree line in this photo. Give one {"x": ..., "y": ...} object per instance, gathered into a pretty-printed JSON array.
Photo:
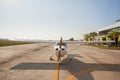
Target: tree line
[{"x": 112, "y": 35}]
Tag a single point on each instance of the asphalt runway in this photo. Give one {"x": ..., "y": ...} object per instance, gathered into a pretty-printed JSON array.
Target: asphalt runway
[{"x": 31, "y": 62}]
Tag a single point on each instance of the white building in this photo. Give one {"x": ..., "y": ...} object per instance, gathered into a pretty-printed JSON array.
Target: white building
[{"x": 105, "y": 30}]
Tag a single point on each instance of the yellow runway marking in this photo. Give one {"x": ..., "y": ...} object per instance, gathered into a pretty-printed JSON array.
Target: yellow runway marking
[
  {"x": 56, "y": 74},
  {"x": 71, "y": 77}
]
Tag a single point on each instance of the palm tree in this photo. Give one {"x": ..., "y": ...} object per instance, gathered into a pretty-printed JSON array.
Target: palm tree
[
  {"x": 92, "y": 35},
  {"x": 86, "y": 37},
  {"x": 113, "y": 35}
]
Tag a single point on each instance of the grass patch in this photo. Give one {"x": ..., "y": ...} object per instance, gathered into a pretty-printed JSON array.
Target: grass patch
[
  {"x": 9, "y": 43},
  {"x": 105, "y": 47}
]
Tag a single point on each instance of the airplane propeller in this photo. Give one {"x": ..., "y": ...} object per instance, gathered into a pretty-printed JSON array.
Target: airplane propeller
[{"x": 59, "y": 52}]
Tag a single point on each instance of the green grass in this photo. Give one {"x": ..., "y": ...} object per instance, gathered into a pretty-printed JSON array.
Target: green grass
[
  {"x": 9, "y": 43},
  {"x": 106, "y": 47}
]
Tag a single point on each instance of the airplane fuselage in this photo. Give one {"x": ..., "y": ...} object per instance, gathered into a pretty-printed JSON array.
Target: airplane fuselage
[{"x": 63, "y": 49}]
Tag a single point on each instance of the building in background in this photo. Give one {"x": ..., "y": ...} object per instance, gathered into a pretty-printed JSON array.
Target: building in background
[
  {"x": 103, "y": 32},
  {"x": 109, "y": 35}
]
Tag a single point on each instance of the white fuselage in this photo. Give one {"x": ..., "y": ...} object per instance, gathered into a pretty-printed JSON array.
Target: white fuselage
[
  {"x": 63, "y": 50},
  {"x": 60, "y": 50}
]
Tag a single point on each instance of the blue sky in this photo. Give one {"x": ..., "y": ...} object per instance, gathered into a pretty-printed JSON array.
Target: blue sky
[{"x": 51, "y": 19}]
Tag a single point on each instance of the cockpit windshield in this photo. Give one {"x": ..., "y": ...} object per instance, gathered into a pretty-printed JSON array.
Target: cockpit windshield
[{"x": 64, "y": 44}]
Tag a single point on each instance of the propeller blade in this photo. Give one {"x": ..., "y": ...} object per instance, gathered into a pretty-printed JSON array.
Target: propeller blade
[
  {"x": 59, "y": 52},
  {"x": 61, "y": 42}
]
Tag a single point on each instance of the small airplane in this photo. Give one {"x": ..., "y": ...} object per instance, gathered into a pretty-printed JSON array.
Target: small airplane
[{"x": 60, "y": 50}]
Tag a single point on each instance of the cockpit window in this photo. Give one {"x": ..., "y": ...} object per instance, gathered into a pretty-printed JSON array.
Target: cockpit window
[{"x": 64, "y": 44}]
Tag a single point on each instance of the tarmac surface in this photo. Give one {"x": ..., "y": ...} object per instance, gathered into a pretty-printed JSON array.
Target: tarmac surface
[{"x": 31, "y": 62}]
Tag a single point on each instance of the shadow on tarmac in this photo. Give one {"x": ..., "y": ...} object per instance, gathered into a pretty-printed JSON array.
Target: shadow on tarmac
[
  {"x": 76, "y": 66},
  {"x": 72, "y": 67}
]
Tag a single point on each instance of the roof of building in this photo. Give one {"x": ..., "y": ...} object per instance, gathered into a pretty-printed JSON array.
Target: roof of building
[{"x": 117, "y": 24}]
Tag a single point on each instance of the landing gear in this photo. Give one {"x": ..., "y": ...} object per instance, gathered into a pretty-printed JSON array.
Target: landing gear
[
  {"x": 51, "y": 58},
  {"x": 70, "y": 57}
]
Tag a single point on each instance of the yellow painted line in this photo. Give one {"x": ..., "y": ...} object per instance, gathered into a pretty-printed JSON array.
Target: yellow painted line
[
  {"x": 71, "y": 77},
  {"x": 56, "y": 73}
]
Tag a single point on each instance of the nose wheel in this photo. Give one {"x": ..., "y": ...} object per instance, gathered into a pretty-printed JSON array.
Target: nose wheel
[{"x": 70, "y": 57}]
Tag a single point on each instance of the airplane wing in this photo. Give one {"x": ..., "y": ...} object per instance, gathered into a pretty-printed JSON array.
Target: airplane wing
[
  {"x": 90, "y": 41},
  {"x": 84, "y": 42}
]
